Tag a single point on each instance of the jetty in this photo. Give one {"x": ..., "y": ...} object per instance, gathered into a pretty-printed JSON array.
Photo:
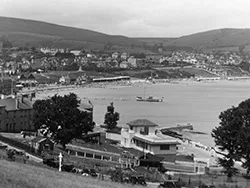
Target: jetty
[{"x": 178, "y": 128}]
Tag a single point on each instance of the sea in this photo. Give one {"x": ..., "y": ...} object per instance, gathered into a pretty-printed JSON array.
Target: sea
[{"x": 197, "y": 103}]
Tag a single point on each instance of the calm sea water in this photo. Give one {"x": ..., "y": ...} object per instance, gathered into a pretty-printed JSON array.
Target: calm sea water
[{"x": 198, "y": 103}]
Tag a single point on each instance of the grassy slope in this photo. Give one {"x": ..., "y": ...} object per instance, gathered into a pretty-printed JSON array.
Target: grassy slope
[
  {"x": 219, "y": 39},
  {"x": 27, "y": 176},
  {"x": 215, "y": 38},
  {"x": 37, "y": 33},
  {"x": 37, "y": 30}
]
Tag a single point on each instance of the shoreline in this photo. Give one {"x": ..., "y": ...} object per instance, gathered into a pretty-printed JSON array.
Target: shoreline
[{"x": 57, "y": 89}]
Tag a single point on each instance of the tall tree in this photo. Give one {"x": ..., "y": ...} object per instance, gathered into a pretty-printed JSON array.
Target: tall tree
[
  {"x": 61, "y": 118},
  {"x": 233, "y": 136},
  {"x": 111, "y": 117}
]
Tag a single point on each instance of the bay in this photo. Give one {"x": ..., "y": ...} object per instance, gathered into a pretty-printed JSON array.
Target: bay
[{"x": 198, "y": 103}]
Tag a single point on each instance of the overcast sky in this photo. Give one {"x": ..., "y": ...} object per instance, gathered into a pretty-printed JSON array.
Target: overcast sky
[{"x": 135, "y": 18}]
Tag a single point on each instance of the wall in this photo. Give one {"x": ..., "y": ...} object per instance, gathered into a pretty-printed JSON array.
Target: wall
[
  {"x": 113, "y": 136},
  {"x": 126, "y": 137},
  {"x": 16, "y": 120},
  {"x": 156, "y": 150}
]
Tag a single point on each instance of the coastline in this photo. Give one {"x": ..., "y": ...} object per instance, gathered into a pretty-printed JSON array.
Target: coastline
[{"x": 52, "y": 89}]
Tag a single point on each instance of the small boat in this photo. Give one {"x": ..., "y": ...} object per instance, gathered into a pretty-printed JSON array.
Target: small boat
[{"x": 149, "y": 99}]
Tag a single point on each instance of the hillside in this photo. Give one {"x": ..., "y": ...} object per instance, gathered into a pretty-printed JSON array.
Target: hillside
[
  {"x": 153, "y": 41},
  {"x": 220, "y": 39},
  {"x": 214, "y": 39},
  {"x": 37, "y": 33},
  {"x": 27, "y": 176},
  {"x": 22, "y": 31}
]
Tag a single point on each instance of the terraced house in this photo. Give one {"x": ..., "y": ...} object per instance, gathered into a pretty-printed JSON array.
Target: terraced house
[{"x": 16, "y": 114}]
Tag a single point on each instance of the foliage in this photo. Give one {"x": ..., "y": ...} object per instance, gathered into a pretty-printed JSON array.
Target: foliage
[
  {"x": 111, "y": 117},
  {"x": 60, "y": 117},
  {"x": 233, "y": 136},
  {"x": 10, "y": 154},
  {"x": 228, "y": 165}
]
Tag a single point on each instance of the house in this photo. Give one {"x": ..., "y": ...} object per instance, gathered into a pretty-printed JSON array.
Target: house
[
  {"x": 27, "y": 80},
  {"x": 124, "y": 65},
  {"x": 132, "y": 61},
  {"x": 142, "y": 134},
  {"x": 16, "y": 114},
  {"x": 124, "y": 56},
  {"x": 115, "y": 55},
  {"x": 65, "y": 79},
  {"x": 41, "y": 144},
  {"x": 76, "y": 52}
]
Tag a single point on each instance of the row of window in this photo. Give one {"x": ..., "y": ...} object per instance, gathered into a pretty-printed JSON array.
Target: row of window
[
  {"x": 12, "y": 126},
  {"x": 146, "y": 146},
  {"x": 91, "y": 155}
]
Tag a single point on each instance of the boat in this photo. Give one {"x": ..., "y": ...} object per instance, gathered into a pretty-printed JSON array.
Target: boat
[{"x": 149, "y": 99}]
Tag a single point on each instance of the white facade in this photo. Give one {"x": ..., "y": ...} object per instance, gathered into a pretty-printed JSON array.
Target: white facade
[
  {"x": 148, "y": 139},
  {"x": 115, "y": 55},
  {"x": 132, "y": 61},
  {"x": 124, "y": 56},
  {"x": 75, "y": 52}
]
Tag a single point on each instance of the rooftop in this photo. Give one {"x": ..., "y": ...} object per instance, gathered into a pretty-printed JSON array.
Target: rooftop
[
  {"x": 16, "y": 104},
  {"x": 142, "y": 123},
  {"x": 154, "y": 139}
]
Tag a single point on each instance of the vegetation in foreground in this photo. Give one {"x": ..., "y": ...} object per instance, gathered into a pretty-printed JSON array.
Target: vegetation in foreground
[
  {"x": 27, "y": 176},
  {"x": 232, "y": 137}
]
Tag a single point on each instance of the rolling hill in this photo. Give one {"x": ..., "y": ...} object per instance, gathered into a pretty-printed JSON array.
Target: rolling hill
[
  {"x": 219, "y": 39},
  {"x": 37, "y": 33},
  {"x": 30, "y": 32}
]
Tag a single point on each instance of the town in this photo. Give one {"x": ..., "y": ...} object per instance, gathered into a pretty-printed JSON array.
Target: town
[{"x": 137, "y": 152}]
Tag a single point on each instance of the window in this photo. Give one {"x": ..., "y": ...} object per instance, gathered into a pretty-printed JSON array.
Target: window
[
  {"x": 164, "y": 147},
  {"x": 98, "y": 156},
  {"x": 72, "y": 152},
  {"x": 89, "y": 155},
  {"x": 106, "y": 158},
  {"x": 80, "y": 154}
]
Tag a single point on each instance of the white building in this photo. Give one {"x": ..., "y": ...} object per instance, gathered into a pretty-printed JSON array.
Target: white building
[
  {"x": 142, "y": 134},
  {"x": 115, "y": 55},
  {"x": 132, "y": 61}
]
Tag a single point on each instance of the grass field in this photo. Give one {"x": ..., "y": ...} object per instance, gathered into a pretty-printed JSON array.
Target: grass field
[{"x": 17, "y": 175}]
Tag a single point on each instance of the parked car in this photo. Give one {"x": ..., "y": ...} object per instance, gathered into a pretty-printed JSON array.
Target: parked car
[
  {"x": 169, "y": 184},
  {"x": 67, "y": 167},
  {"x": 135, "y": 179},
  {"x": 92, "y": 173},
  {"x": 85, "y": 172}
]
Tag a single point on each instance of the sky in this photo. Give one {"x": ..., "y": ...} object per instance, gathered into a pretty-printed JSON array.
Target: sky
[{"x": 135, "y": 18}]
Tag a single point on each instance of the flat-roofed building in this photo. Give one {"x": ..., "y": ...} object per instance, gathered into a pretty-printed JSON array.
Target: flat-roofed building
[{"x": 142, "y": 134}]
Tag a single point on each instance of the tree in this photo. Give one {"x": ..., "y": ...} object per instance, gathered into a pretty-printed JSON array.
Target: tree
[
  {"x": 61, "y": 119},
  {"x": 111, "y": 117},
  {"x": 233, "y": 137}
]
